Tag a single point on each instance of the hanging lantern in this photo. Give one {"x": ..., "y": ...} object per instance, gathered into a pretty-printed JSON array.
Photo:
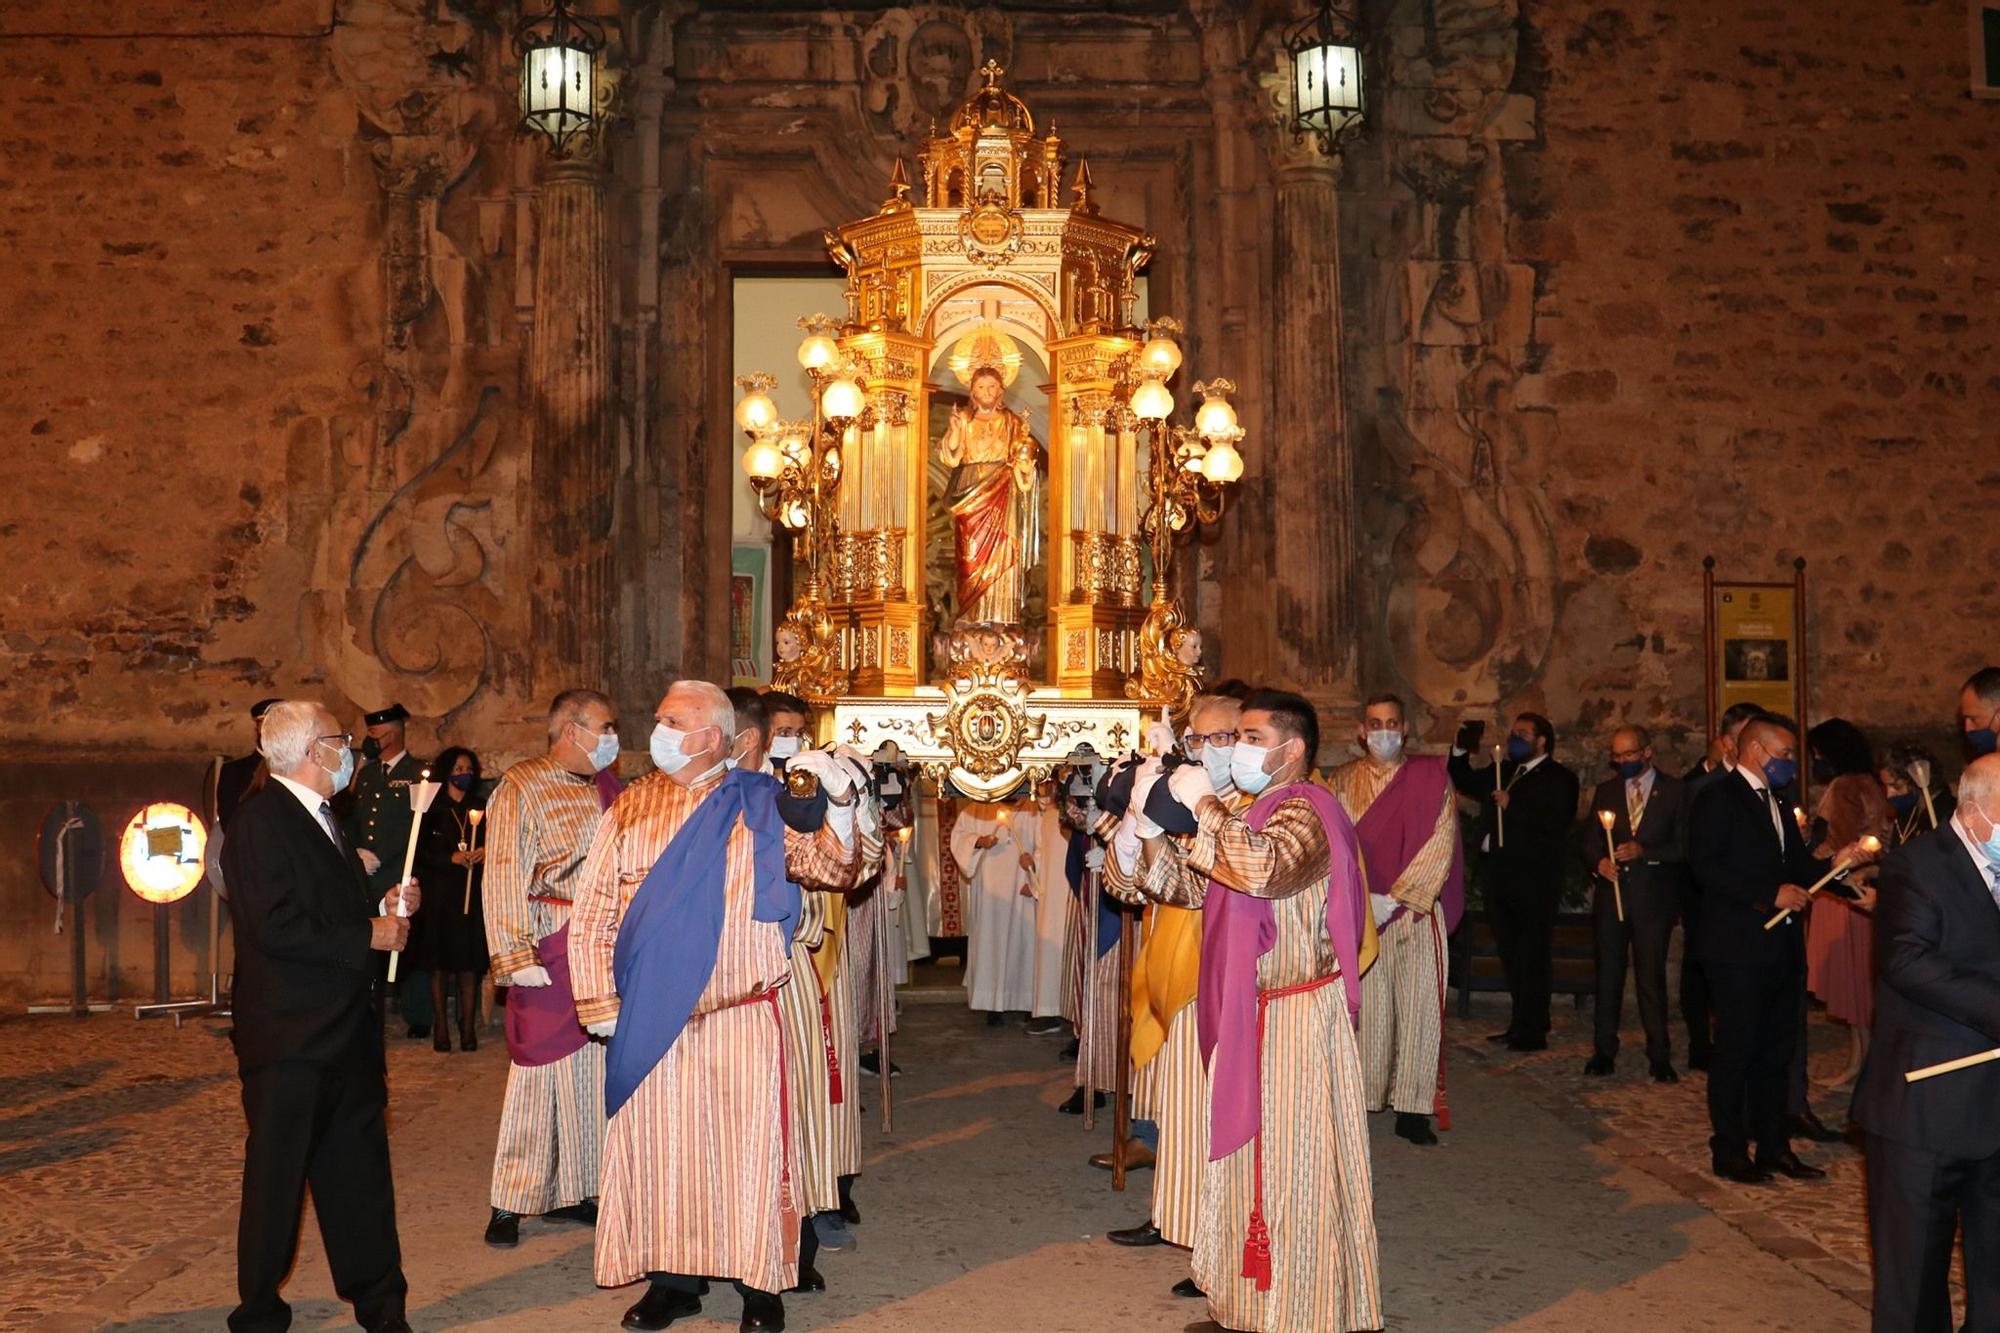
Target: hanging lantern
[
  {"x": 1326, "y": 77},
  {"x": 1152, "y": 401},
  {"x": 1215, "y": 417},
  {"x": 559, "y": 74}
]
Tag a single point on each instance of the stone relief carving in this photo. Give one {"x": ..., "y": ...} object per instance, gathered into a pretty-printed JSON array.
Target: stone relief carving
[{"x": 917, "y": 64}]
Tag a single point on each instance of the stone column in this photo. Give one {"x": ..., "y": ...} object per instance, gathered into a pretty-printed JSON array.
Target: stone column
[
  {"x": 569, "y": 385},
  {"x": 1312, "y": 510}
]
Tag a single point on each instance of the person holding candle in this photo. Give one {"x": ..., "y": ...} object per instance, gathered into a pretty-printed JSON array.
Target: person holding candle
[
  {"x": 308, "y": 1031},
  {"x": 1643, "y": 866},
  {"x": 1696, "y": 1009},
  {"x": 1746, "y": 851},
  {"x": 541, "y": 817},
  {"x": 1918, "y": 802},
  {"x": 1406, "y": 816},
  {"x": 992, "y": 850},
  {"x": 1536, "y": 796},
  {"x": 378, "y": 824},
  {"x": 448, "y": 938},
  {"x": 1933, "y": 1145},
  {"x": 684, "y": 915},
  {"x": 1840, "y": 938}
]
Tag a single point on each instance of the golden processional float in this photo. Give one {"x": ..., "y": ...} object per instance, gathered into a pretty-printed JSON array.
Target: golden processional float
[{"x": 988, "y": 602}]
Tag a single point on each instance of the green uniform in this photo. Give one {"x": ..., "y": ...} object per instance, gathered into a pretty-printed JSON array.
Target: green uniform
[{"x": 380, "y": 820}]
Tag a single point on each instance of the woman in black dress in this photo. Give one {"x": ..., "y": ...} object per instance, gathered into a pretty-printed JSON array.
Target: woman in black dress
[{"x": 448, "y": 934}]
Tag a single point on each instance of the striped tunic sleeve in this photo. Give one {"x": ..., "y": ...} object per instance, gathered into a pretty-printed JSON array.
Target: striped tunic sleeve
[
  {"x": 1423, "y": 879},
  {"x": 510, "y": 861},
  {"x": 593, "y": 924},
  {"x": 1286, "y": 857}
]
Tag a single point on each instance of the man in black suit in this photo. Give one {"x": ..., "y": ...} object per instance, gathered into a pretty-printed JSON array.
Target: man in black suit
[
  {"x": 1746, "y": 853},
  {"x": 1934, "y": 1145},
  {"x": 309, "y": 1031},
  {"x": 1526, "y": 852},
  {"x": 1695, "y": 1003},
  {"x": 1648, "y": 863},
  {"x": 236, "y": 777}
]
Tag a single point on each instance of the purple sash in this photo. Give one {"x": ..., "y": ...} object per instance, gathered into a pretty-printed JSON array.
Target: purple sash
[
  {"x": 1394, "y": 829},
  {"x": 1237, "y": 929},
  {"x": 541, "y": 1020}
]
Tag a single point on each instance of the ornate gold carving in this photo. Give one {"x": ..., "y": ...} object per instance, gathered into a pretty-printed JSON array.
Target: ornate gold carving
[
  {"x": 899, "y": 647},
  {"x": 807, "y": 654},
  {"x": 1107, "y": 568},
  {"x": 868, "y": 565},
  {"x": 1165, "y": 673}
]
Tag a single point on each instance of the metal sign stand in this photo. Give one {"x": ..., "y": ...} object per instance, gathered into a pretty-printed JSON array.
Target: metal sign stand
[{"x": 70, "y": 889}]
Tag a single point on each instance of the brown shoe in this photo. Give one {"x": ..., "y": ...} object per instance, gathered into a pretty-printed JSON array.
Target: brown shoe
[{"x": 1138, "y": 1157}]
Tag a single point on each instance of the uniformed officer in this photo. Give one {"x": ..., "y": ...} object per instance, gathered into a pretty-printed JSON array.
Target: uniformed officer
[{"x": 379, "y": 826}]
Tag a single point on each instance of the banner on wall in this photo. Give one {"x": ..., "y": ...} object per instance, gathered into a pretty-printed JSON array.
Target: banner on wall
[{"x": 749, "y": 614}]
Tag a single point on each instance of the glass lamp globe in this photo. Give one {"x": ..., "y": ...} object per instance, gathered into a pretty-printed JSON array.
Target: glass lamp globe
[
  {"x": 762, "y": 461},
  {"x": 1152, "y": 401},
  {"x": 1215, "y": 417},
  {"x": 1223, "y": 464},
  {"x": 1160, "y": 357},
  {"x": 841, "y": 400},
  {"x": 818, "y": 352},
  {"x": 756, "y": 411}
]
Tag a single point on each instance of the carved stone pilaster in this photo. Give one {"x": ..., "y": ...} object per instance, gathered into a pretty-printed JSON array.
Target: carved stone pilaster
[{"x": 569, "y": 380}]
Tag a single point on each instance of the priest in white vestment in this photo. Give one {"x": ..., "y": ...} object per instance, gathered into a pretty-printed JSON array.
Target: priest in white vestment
[{"x": 994, "y": 846}]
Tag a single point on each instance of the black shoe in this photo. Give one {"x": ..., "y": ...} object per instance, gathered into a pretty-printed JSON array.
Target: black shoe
[
  {"x": 762, "y": 1313},
  {"x": 1145, "y": 1234},
  {"x": 503, "y": 1229},
  {"x": 1787, "y": 1163},
  {"x": 1074, "y": 1106},
  {"x": 1044, "y": 1027},
  {"x": 1598, "y": 1066},
  {"x": 441, "y": 1040},
  {"x": 809, "y": 1280},
  {"x": 585, "y": 1212},
  {"x": 995, "y": 1019},
  {"x": 1809, "y": 1126},
  {"x": 1527, "y": 1043},
  {"x": 468, "y": 1040},
  {"x": 1699, "y": 1060},
  {"x": 418, "y": 1031},
  {"x": 849, "y": 1213},
  {"x": 871, "y": 1063},
  {"x": 1071, "y": 1051},
  {"x": 1187, "y": 1289},
  {"x": 1741, "y": 1170},
  {"x": 1416, "y": 1128},
  {"x": 1663, "y": 1072},
  {"x": 660, "y": 1306},
  {"x": 1501, "y": 1038}
]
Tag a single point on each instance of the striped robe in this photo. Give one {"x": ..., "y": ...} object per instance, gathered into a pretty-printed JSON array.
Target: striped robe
[
  {"x": 806, "y": 1067},
  {"x": 700, "y": 1174},
  {"x": 540, "y": 820},
  {"x": 1403, "y": 995},
  {"x": 1319, "y": 1198}
]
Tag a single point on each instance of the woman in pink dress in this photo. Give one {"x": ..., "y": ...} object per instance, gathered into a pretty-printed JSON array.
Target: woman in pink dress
[{"x": 1840, "y": 933}]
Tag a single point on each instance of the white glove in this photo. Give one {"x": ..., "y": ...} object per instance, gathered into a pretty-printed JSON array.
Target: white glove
[
  {"x": 1383, "y": 906},
  {"x": 604, "y": 1029},
  {"x": 833, "y": 775},
  {"x": 840, "y": 818},
  {"x": 530, "y": 977},
  {"x": 1160, "y": 738},
  {"x": 1189, "y": 784},
  {"x": 1150, "y": 772},
  {"x": 1125, "y": 844},
  {"x": 369, "y": 861},
  {"x": 1093, "y": 857}
]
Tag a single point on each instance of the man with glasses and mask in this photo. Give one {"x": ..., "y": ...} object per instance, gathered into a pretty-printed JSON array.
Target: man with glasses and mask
[
  {"x": 378, "y": 824},
  {"x": 1287, "y": 1234},
  {"x": 1406, "y": 816},
  {"x": 309, "y": 938},
  {"x": 684, "y": 915},
  {"x": 1646, "y": 864},
  {"x": 540, "y": 820},
  {"x": 1745, "y": 850},
  {"x": 1934, "y": 1145}
]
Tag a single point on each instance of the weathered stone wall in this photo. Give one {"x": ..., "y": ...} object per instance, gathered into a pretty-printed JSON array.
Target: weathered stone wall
[{"x": 1667, "y": 281}]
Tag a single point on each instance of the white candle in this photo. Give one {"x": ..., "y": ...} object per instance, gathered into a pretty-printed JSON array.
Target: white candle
[
  {"x": 1608, "y": 818},
  {"x": 422, "y": 793}
]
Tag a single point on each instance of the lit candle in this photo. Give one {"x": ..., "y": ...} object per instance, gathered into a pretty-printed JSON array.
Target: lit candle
[
  {"x": 1499, "y": 813},
  {"x": 422, "y": 793},
  {"x": 1608, "y": 818},
  {"x": 472, "y": 817},
  {"x": 1920, "y": 774},
  {"x": 1870, "y": 845}
]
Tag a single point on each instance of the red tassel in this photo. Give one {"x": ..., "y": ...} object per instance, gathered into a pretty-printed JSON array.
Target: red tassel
[
  {"x": 833, "y": 1094},
  {"x": 1257, "y": 1252}
]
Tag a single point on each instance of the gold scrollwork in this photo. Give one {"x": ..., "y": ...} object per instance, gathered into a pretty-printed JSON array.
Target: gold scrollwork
[
  {"x": 1107, "y": 568},
  {"x": 1164, "y": 640},
  {"x": 868, "y": 564}
]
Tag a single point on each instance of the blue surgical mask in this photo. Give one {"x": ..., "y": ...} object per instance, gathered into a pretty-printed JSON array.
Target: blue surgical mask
[
  {"x": 344, "y": 774},
  {"x": 1982, "y": 741},
  {"x": 1780, "y": 773},
  {"x": 1903, "y": 803},
  {"x": 668, "y": 756},
  {"x": 1215, "y": 762},
  {"x": 463, "y": 781},
  {"x": 1520, "y": 749},
  {"x": 786, "y": 747},
  {"x": 1631, "y": 768},
  {"x": 605, "y": 752},
  {"x": 1246, "y": 768},
  {"x": 1992, "y": 844}
]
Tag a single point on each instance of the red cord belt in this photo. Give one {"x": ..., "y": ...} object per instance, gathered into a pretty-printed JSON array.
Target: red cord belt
[{"x": 1257, "y": 1238}]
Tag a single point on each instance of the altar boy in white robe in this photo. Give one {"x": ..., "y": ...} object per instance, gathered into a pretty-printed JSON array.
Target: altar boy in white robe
[{"x": 994, "y": 847}]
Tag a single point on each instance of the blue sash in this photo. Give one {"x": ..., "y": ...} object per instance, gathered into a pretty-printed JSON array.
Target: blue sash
[{"x": 668, "y": 939}]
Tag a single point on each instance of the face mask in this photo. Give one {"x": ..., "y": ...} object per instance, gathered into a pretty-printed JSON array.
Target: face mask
[
  {"x": 1630, "y": 769},
  {"x": 1246, "y": 768},
  {"x": 1822, "y": 771},
  {"x": 1904, "y": 804},
  {"x": 1215, "y": 762},
  {"x": 463, "y": 781},
  {"x": 1982, "y": 741},
  {"x": 1992, "y": 844},
  {"x": 603, "y": 751},
  {"x": 345, "y": 772},
  {"x": 371, "y": 748},
  {"x": 668, "y": 756},
  {"x": 786, "y": 747},
  {"x": 1780, "y": 773},
  {"x": 1385, "y": 745},
  {"x": 1520, "y": 749}
]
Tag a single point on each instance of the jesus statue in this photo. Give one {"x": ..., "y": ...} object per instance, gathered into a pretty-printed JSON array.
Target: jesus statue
[{"x": 990, "y": 494}]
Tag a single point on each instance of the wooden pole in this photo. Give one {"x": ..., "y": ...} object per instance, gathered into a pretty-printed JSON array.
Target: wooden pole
[
  {"x": 1121, "y": 1112},
  {"x": 1711, "y": 689},
  {"x": 1086, "y": 1036}
]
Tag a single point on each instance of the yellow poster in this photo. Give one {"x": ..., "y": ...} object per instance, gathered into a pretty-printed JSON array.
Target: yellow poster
[{"x": 1756, "y": 636}]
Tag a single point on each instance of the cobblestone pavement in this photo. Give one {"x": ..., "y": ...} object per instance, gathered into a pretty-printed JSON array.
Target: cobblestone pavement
[{"x": 119, "y": 1175}]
